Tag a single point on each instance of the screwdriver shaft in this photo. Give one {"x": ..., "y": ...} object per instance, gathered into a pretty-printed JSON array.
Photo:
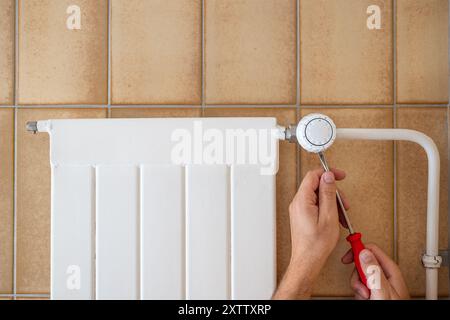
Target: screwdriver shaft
[{"x": 325, "y": 166}]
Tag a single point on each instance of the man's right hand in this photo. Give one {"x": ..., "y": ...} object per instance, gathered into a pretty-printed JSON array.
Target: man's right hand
[{"x": 391, "y": 285}]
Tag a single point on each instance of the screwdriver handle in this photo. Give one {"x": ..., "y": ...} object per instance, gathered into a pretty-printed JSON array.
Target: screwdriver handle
[{"x": 357, "y": 247}]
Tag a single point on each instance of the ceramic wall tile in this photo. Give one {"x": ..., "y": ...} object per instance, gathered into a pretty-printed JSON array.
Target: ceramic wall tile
[
  {"x": 250, "y": 51},
  {"x": 345, "y": 56},
  {"x": 62, "y": 61},
  {"x": 422, "y": 51},
  {"x": 6, "y": 199},
  {"x": 7, "y": 13},
  {"x": 156, "y": 52}
]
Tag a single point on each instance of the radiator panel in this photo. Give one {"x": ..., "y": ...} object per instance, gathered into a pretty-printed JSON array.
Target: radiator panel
[
  {"x": 117, "y": 237},
  {"x": 138, "y": 226},
  {"x": 207, "y": 239},
  {"x": 252, "y": 248},
  {"x": 162, "y": 232},
  {"x": 73, "y": 196}
]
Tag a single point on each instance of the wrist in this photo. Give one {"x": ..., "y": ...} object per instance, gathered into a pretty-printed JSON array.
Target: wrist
[
  {"x": 311, "y": 257},
  {"x": 301, "y": 274},
  {"x": 297, "y": 283},
  {"x": 301, "y": 279}
]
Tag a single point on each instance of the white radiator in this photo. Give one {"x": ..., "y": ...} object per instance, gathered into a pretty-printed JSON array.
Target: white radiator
[{"x": 137, "y": 216}]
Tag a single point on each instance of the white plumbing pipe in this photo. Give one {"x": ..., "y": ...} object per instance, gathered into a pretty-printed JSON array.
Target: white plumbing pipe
[{"x": 432, "y": 246}]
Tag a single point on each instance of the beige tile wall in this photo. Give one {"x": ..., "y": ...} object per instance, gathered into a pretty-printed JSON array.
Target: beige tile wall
[
  {"x": 422, "y": 51},
  {"x": 156, "y": 60},
  {"x": 57, "y": 65},
  {"x": 222, "y": 58},
  {"x": 7, "y": 52},
  {"x": 250, "y": 51},
  {"x": 342, "y": 61},
  {"x": 6, "y": 199}
]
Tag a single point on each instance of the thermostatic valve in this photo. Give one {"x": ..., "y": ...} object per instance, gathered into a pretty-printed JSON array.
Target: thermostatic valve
[{"x": 316, "y": 132}]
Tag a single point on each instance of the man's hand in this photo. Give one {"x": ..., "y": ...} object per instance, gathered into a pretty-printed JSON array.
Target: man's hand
[
  {"x": 314, "y": 222},
  {"x": 391, "y": 285}
]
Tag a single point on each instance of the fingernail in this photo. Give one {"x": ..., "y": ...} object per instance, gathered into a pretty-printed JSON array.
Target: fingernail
[
  {"x": 328, "y": 177},
  {"x": 365, "y": 256}
]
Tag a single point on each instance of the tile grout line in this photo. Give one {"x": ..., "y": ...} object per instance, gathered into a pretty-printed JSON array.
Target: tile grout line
[
  {"x": 448, "y": 180},
  {"x": 15, "y": 66},
  {"x": 427, "y": 105},
  {"x": 448, "y": 142},
  {"x": 203, "y": 63},
  {"x": 183, "y": 106},
  {"x": 16, "y": 80},
  {"x": 60, "y": 106},
  {"x": 108, "y": 71},
  {"x": 394, "y": 118},
  {"x": 166, "y": 106}
]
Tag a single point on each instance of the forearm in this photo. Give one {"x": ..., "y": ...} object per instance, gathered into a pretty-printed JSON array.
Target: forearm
[{"x": 298, "y": 281}]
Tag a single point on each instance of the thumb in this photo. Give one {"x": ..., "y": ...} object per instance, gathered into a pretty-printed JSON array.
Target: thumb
[
  {"x": 376, "y": 280},
  {"x": 327, "y": 197}
]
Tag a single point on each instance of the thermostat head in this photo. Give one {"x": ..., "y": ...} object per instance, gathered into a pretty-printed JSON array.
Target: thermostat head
[{"x": 316, "y": 132}]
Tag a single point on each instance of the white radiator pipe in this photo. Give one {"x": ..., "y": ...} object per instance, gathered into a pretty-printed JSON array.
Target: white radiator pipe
[{"x": 431, "y": 259}]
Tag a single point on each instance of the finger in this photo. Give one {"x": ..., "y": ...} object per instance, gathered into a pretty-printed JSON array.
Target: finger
[
  {"x": 312, "y": 177},
  {"x": 306, "y": 195},
  {"x": 347, "y": 258},
  {"x": 390, "y": 269},
  {"x": 307, "y": 192},
  {"x": 358, "y": 287},
  {"x": 338, "y": 173},
  {"x": 387, "y": 264},
  {"x": 327, "y": 199},
  {"x": 376, "y": 280},
  {"x": 310, "y": 184}
]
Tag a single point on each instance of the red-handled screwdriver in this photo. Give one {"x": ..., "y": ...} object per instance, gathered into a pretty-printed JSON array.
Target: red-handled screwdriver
[{"x": 354, "y": 237}]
